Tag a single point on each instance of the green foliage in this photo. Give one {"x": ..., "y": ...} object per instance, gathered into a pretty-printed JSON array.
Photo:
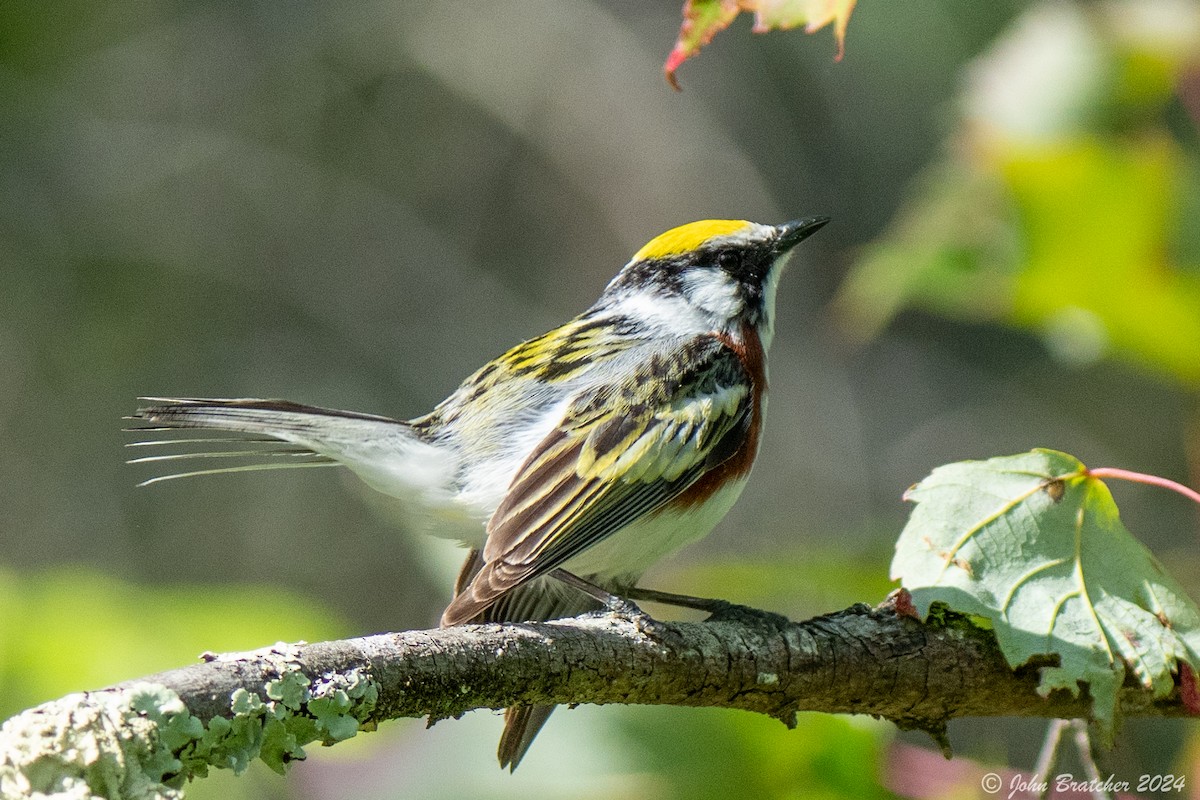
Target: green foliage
[
  {"x": 127, "y": 631},
  {"x": 1098, "y": 218},
  {"x": 1034, "y": 543},
  {"x": 1066, "y": 205},
  {"x": 798, "y": 583},
  {"x": 824, "y": 757}
]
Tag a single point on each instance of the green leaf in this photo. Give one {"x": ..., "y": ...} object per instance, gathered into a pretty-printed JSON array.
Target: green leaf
[
  {"x": 1034, "y": 543},
  {"x": 1065, "y": 204},
  {"x": 1098, "y": 221}
]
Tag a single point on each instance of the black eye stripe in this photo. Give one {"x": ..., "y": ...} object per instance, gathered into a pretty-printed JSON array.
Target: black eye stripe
[{"x": 747, "y": 265}]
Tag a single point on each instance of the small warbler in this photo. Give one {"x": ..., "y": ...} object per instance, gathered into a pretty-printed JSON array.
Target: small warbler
[{"x": 578, "y": 458}]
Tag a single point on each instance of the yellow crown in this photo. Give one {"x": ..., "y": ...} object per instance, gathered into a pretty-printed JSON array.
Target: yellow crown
[{"x": 688, "y": 237}]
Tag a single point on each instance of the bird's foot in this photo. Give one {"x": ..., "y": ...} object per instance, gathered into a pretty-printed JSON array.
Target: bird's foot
[
  {"x": 629, "y": 611},
  {"x": 619, "y": 607},
  {"x": 717, "y": 610}
]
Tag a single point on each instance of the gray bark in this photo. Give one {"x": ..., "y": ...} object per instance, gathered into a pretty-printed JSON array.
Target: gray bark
[{"x": 144, "y": 739}]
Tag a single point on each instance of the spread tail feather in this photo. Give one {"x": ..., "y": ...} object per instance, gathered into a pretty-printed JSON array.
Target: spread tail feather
[
  {"x": 279, "y": 434},
  {"x": 277, "y": 418}
]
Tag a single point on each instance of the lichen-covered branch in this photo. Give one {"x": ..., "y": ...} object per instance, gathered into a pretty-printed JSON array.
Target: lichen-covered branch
[{"x": 144, "y": 739}]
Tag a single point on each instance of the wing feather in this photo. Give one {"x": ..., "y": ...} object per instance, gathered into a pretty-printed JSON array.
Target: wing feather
[{"x": 618, "y": 455}]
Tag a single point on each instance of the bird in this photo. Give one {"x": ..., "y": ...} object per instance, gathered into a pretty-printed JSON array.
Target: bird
[{"x": 573, "y": 461}]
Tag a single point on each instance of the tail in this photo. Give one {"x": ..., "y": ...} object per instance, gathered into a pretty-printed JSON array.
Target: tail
[
  {"x": 521, "y": 725},
  {"x": 539, "y": 599},
  {"x": 279, "y": 434}
]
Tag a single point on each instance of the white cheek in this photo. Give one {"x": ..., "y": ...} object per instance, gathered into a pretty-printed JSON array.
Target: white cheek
[{"x": 714, "y": 291}]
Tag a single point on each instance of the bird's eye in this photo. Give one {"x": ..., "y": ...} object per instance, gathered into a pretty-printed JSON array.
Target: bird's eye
[{"x": 729, "y": 260}]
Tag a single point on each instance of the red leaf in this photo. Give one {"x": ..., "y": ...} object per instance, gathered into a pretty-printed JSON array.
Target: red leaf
[{"x": 703, "y": 19}]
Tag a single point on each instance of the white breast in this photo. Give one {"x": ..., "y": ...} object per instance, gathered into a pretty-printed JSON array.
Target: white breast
[{"x": 626, "y": 554}]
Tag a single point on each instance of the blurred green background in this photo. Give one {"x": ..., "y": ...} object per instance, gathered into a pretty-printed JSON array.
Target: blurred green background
[{"x": 355, "y": 204}]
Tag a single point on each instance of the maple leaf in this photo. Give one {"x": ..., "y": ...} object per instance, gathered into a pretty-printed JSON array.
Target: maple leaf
[
  {"x": 1034, "y": 544},
  {"x": 703, "y": 19}
]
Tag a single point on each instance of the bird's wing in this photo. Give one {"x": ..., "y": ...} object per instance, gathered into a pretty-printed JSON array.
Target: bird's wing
[{"x": 622, "y": 451}]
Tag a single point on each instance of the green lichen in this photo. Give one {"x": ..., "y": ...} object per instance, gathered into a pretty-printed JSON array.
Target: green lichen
[
  {"x": 291, "y": 690},
  {"x": 142, "y": 743},
  {"x": 96, "y": 745},
  {"x": 341, "y": 706},
  {"x": 297, "y": 710}
]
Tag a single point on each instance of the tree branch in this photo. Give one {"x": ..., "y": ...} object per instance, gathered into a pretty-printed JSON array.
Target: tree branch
[{"x": 145, "y": 738}]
